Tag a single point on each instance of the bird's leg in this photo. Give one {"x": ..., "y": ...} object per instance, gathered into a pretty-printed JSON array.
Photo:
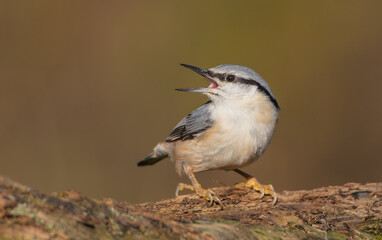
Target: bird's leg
[
  {"x": 254, "y": 184},
  {"x": 207, "y": 194}
]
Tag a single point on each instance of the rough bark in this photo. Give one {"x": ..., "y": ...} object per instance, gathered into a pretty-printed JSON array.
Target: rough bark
[{"x": 335, "y": 212}]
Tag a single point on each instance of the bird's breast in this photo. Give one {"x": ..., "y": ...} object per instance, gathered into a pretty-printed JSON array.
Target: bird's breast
[{"x": 239, "y": 136}]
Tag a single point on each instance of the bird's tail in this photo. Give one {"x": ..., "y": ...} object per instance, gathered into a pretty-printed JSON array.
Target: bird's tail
[
  {"x": 160, "y": 152},
  {"x": 150, "y": 159}
]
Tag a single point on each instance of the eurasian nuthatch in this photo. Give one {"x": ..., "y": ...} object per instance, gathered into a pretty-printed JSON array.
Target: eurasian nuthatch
[{"x": 228, "y": 132}]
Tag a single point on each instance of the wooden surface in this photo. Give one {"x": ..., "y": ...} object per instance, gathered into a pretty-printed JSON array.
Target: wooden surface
[{"x": 335, "y": 212}]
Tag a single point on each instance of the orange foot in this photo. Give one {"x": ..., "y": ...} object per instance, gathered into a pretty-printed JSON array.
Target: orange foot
[
  {"x": 207, "y": 194},
  {"x": 263, "y": 189}
]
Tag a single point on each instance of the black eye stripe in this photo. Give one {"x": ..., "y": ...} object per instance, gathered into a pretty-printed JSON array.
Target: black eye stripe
[
  {"x": 261, "y": 88},
  {"x": 220, "y": 76}
]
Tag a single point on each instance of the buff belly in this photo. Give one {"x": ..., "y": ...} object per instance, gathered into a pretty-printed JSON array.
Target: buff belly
[{"x": 217, "y": 150}]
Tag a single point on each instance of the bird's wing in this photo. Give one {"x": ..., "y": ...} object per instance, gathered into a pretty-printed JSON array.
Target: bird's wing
[{"x": 193, "y": 124}]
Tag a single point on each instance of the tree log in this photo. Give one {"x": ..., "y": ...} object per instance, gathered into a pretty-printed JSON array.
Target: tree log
[{"x": 335, "y": 212}]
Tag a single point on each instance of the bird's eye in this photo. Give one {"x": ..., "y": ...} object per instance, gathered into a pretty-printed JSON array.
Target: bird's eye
[{"x": 230, "y": 78}]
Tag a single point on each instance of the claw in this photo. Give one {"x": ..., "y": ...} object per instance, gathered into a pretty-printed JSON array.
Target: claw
[
  {"x": 211, "y": 200},
  {"x": 274, "y": 199},
  {"x": 177, "y": 191},
  {"x": 262, "y": 193}
]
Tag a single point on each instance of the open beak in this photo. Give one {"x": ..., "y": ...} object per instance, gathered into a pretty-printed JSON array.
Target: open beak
[{"x": 204, "y": 73}]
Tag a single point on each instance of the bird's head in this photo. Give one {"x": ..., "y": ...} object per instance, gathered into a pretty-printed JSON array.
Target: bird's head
[{"x": 232, "y": 82}]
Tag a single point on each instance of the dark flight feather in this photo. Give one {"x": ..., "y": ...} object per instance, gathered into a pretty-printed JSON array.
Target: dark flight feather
[{"x": 193, "y": 124}]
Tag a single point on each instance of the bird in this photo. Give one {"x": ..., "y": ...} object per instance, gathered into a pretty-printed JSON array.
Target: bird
[{"x": 228, "y": 132}]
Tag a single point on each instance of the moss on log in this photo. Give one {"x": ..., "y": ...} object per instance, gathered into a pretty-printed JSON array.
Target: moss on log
[{"x": 335, "y": 212}]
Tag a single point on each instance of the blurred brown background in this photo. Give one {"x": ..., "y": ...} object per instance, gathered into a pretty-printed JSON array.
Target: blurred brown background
[{"x": 86, "y": 89}]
